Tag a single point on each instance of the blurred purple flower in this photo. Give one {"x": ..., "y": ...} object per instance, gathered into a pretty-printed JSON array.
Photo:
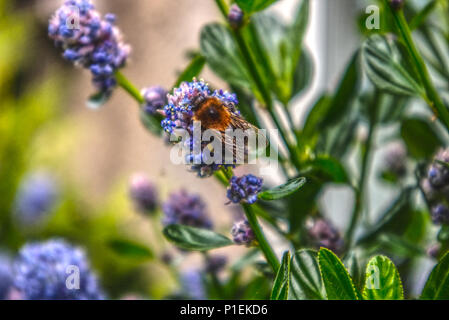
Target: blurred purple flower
[
  {"x": 187, "y": 209},
  {"x": 42, "y": 270},
  {"x": 36, "y": 198},
  {"x": 323, "y": 234},
  {"x": 143, "y": 193}
]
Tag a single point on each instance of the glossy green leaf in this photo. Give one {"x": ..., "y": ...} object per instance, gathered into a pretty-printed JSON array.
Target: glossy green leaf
[
  {"x": 193, "y": 70},
  {"x": 387, "y": 68},
  {"x": 282, "y": 281},
  {"x": 420, "y": 137},
  {"x": 250, "y": 6},
  {"x": 222, "y": 55},
  {"x": 437, "y": 285},
  {"x": 305, "y": 281},
  {"x": 131, "y": 250},
  {"x": 338, "y": 283},
  {"x": 191, "y": 238},
  {"x": 353, "y": 267},
  {"x": 284, "y": 190},
  {"x": 303, "y": 74},
  {"x": 382, "y": 280}
]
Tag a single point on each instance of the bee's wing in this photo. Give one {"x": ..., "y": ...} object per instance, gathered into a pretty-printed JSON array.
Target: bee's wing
[{"x": 241, "y": 148}]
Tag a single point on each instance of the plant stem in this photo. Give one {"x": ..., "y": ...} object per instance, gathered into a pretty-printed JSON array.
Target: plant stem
[
  {"x": 435, "y": 101},
  {"x": 266, "y": 96},
  {"x": 260, "y": 237},
  {"x": 129, "y": 87},
  {"x": 360, "y": 191}
]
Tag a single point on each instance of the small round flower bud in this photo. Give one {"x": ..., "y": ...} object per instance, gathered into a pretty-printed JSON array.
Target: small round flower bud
[
  {"x": 242, "y": 234},
  {"x": 434, "y": 250},
  {"x": 438, "y": 174},
  {"x": 235, "y": 16},
  {"x": 244, "y": 189},
  {"x": 155, "y": 99},
  {"x": 187, "y": 209},
  {"x": 396, "y": 4},
  {"x": 42, "y": 268},
  {"x": 323, "y": 234},
  {"x": 440, "y": 214},
  {"x": 215, "y": 263},
  {"x": 36, "y": 198},
  {"x": 143, "y": 193}
]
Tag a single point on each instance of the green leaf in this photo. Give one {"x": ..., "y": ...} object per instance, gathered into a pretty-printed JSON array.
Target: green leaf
[
  {"x": 191, "y": 238},
  {"x": 131, "y": 250},
  {"x": 421, "y": 139},
  {"x": 282, "y": 281},
  {"x": 306, "y": 282},
  {"x": 395, "y": 219},
  {"x": 284, "y": 190},
  {"x": 437, "y": 285},
  {"x": 193, "y": 70},
  {"x": 382, "y": 280},
  {"x": 97, "y": 100},
  {"x": 336, "y": 278},
  {"x": 151, "y": 122},
  {"x": 352, "y": 265},
  {"x": 222, "y": 55},
  {"x": 386, "y": 67},
  {"x": 302, "y": 76},
  {"x": 250, "y": 6},
  {"x": 327, "y": 169}
]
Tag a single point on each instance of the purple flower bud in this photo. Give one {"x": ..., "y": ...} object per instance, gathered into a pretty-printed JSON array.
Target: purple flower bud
[
  {"x": 438, "y": 174},
  {"x": 36, "y": 198},
  {"x": 187, "y": 209},
  {"x": 242, "y": 234},
  {"x": 155, "y": 99},
  {"x": 235, "y": 16},
  {"x": 434, "y": 250},
  {"x": 395, "y": 159},
  {"x": 440, "y": 214},
  {"x": 396, "y": 4},
  {"x": 143, "y": 193},
  {"x": 323, "y": 234},
  {"x": 215, "y": 263},
  {"x": 244, "y": 188}
]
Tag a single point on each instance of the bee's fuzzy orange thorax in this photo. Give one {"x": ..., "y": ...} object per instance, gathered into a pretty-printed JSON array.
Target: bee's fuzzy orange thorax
[{"x": 213, "y": 115}]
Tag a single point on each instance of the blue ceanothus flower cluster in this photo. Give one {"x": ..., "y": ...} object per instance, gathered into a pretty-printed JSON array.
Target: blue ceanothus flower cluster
[
  {"x": 90, "y": 41},
  {"x": 6, "y": 278},
  {"x": 244, "y": 189},
  {"x": 187, "y": 209},
  {"x": 436, "y": 188},
  {"x": 36, "y": 198},
  {"x": 323, "y": 234},
  {"x": 179, "y": 115},
  {"x": 41, "y": 272},
  {"x": 242, "y": 234}
]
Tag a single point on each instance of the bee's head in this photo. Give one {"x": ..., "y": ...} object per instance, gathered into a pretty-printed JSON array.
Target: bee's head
[{"x": 197, "y": 101}]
